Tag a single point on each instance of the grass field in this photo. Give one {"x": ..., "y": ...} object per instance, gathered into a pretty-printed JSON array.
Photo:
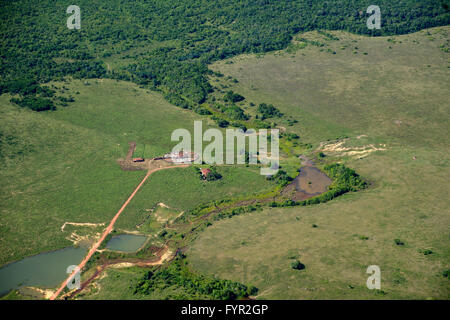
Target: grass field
[
  {"x": 389, "y": 92},
  {"x": 383, "y": 93},
  {"x": 61, "y": 166}
]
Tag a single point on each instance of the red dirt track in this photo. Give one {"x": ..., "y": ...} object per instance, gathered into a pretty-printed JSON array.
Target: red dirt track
[{"x": 107, "y": 231}]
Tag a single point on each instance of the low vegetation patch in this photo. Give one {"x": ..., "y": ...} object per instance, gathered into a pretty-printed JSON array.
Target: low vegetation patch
[
  {"x": 268, "y": 111},
  {"x": 193, "y": 285},
  {"x": 297, "y": 265}
]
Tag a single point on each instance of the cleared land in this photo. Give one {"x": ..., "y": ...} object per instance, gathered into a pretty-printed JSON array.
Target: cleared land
[
  {"x": 62, "y": 166},
  {"x": 393, "y": 98}
]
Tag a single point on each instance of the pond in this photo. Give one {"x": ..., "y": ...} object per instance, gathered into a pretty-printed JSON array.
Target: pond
[
  {"x": 45, "y": 270},
  {"x": 126, "y": 242},
  {"x": 310, "y": 182}
]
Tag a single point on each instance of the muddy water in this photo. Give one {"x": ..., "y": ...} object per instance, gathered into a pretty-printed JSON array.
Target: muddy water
[
  {"x": 45, "y": 270},
  {"x": 126, "y": 242},
  {"x": 310, "y": 182}
]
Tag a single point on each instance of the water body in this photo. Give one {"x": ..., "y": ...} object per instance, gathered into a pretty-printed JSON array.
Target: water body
[
  {"x": 310, "y": 182},
  {"x": 126, "y": 242},
  {"x": 42, "y": 270}
]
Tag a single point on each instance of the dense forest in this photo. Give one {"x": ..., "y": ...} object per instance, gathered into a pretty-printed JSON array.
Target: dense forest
[{"x": 167, "y": 44}]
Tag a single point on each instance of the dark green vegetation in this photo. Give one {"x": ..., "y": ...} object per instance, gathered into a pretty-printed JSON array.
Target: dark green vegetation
[
  {"x": 297, "y": 265},
  {"x": 268, "y": 111},
  {"x": 167, "y": 44},
  {"x": 193, "y": 286},
  {"x": 230, "y": 96},
  {"x": 281, "y": 178}
]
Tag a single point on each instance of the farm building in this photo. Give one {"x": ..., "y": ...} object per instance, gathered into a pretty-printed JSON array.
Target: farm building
[
  {"x": 182, "y": 157},
  {"x": 205, "y": 172}
]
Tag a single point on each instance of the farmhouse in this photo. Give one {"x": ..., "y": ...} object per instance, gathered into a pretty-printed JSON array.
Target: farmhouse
[{"x": 205, "y": 172}]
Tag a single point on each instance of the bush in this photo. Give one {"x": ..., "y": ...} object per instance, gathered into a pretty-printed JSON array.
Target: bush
[
  {"x": 345, "y": 179},
  {"x": 281, "y": 178},
  {"x": 213, "y": 175},
  {"x": 297, "y": 265},
  {"x": 268, "y": 111},
  {"x": 234, "y": 112},
  {"x": 35, "y": 103},
  {"x": 221, "y": 122},
  {"x": 292, "y": 136},
  {"x": 203, "y": 111},
  {"x": 230, "y": 96}
]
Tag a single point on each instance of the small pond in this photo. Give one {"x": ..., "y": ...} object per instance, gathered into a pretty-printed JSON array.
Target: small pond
[{"x": 126, "y": 242}]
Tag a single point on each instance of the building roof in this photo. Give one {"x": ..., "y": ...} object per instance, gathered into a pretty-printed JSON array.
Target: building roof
[{"x": 205, "y": 171}]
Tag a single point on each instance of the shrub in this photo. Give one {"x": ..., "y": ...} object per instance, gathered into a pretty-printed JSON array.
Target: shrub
[
  {"x": 292, "y": 136},
  {"x": 236, "y": 113},
  {"x": 163, "y": 234},
  {"x": 345, "y": 179},
  {"x": 221, "y": 122},
  {"x": 268, "y": 111},
  {"x": 194, "y": 286},
  {"x": 297, "y": 265},
  {"x": 230, "y": 96},
  {"x": 35, "y": 103},
  {"x": 203, "y": 111}
]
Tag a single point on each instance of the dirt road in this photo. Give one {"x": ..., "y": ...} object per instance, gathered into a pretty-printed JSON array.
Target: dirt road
[{"x": 108, "y": 230}]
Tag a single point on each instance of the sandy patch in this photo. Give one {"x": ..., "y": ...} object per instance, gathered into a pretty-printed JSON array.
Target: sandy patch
[
  {"x": 122, "y": 265},
  {"x": 86, "y": 224},
  {"x": 163, "y": 205},
  {"x": 47, "y": 293},
  {"x": 338, "y": 148}
]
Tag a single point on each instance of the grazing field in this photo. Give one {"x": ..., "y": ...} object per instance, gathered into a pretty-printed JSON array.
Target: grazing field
[
  {"x": 181, "y": 189},
  {"x": 389, "y": 97},
  {"x": 393, "y": 89},
  {"x": 61, "y": 166}
]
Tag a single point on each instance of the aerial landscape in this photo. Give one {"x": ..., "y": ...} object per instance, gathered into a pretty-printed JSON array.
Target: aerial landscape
[{"x": 224, "y": 150}]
